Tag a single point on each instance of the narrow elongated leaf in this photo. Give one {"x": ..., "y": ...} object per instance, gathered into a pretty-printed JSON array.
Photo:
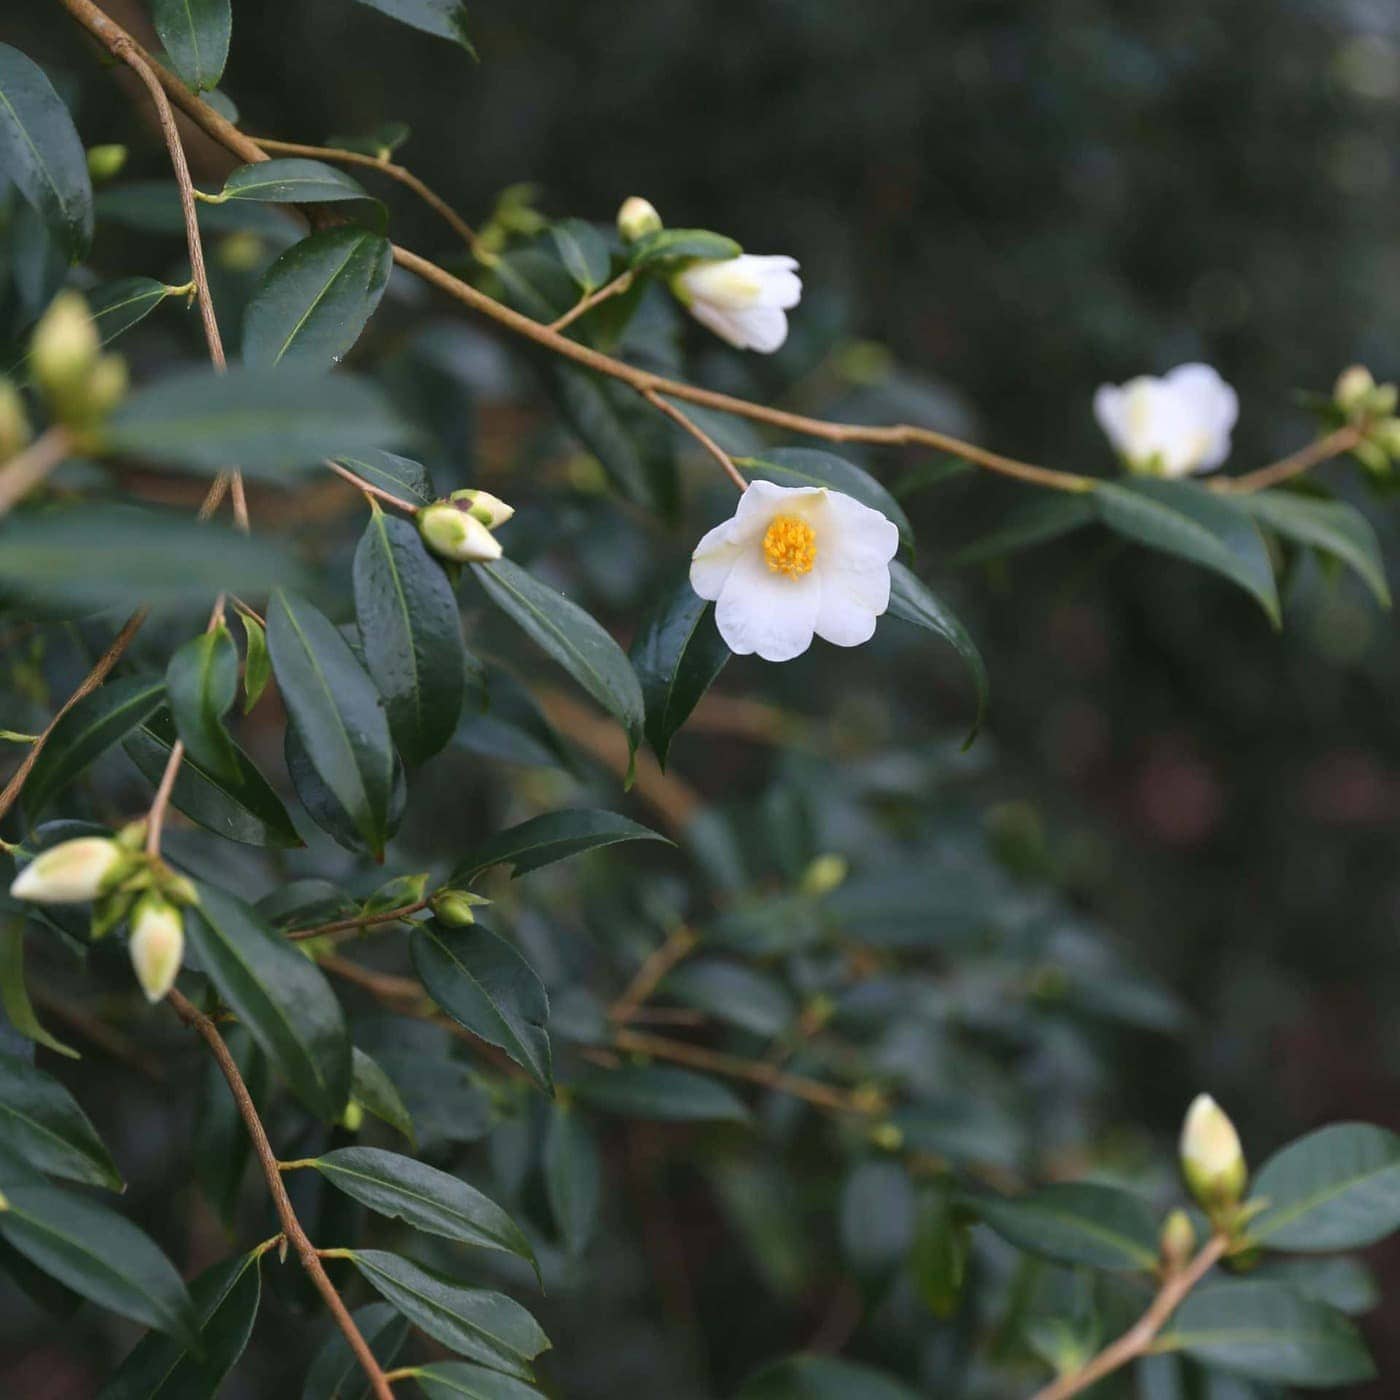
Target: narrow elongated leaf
[
  {"x": 14, "y": 994},
  {"x": 1269, "y": 1333},
  {"x": 226, "y": 1297},
  {"x": 671, "y": 244},
  {"x": 196, "y": 36},
  {"x": 335, "y": 710},
  {"x": 41, "y": 151},
  {"x": 1337, "y": 1188},
  {"x": 292, "y": 181},
  {"x": 573, "y": 1175},
  {"x": 244, "y": 808},
  {"x": 485, "y": 1326},
  {"x": 445, "y": 18},
  {"x": 324, "y": 808},
  {"x": 115, "y": 307},
  {"x": 915, "y": 602},
  {"x": 201, "y": 684},
  {"x": 447, "y": 1101},
  {"x": 1102, "y": 1227},
  {"x": 460, "y": 1380},
  {"x": 1183, "y": 519},
  {"x": 1331, "y": 526},
  {"x": 336, "y": 1373},
  {"x": 428, "y": 1199},
  {"x": 41, "y": 1123},
  {"x": 584, "y": 251},
  {"x": 808, "y": 466},
  {"x": 279, "y": 995},
  {"x": 318, "y": 296},
  {"x": 483, "y": 983},
  {"x": 662, "y": 1094},
  {"x": 87, "y": 731},
  {"x": 677, "y": 655},
  {"x": 545, "y": 839},
  {"x": 101, "y": 1255},
  {"x": 376, "y": 1093},
  {"x": 401, "y": 475},
  {"x": 821, "y": 1378},
  {"x": 1037, "y": 520},
  {"x": 1341, "y": 1282},
  {"x": 153, "y": 206},
  {"x": 261, "y": 419},
  {"x": 257, "y": 665},
  {"x": 412, "y": 634}
]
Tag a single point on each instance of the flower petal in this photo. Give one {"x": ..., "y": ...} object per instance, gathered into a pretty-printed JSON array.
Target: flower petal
[
  {"x": 714, "y": 557},
  {"x": 766, "y": 613}
]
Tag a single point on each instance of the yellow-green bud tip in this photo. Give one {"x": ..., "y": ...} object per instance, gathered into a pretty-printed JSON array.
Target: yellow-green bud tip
[
  {"x": 456, "y": 908},
  {"x": 105, "y": 162},
  {"x": 824, "y": 874},
  {"x": 65, "y": 345},
  {"x": 1178, "y": 1239},
  {"x": 353, "y": 1119},
  {"x": 157, "y": 945},
  {"x": 1212, "y": 1160},
  {"x": 15, "y": 431},
  {"x": 457, "y": 535},
  {"x": 637, "y": 218}
]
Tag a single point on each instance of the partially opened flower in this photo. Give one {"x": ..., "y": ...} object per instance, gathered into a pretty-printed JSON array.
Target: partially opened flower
[
  {"x": 794, "y": 562},
  {"x": 744, "y": 300},
  {"x": 1172, "y": 426}
]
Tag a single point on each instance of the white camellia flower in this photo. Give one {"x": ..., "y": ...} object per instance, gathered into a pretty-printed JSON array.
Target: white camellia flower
[
  {"x": 794, "y": 562},
  {"x": 69, "y": 873},
  {"x": 744, "y": 300},
  {"x": 1172, "y": 426}
]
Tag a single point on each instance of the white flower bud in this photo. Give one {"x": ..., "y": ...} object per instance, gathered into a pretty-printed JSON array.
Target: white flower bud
[
  {"x": 157, "y": 945},
  {"x": 490, "y": 510},
  {"x": 71, "y": 872},
  {"x": 637, "y": 218},
  {"x": 1212, "y": 1160},
  {"x": 65, "y": 345},
  {"x": 1353, "y": 388},
  {"x": 454, "y": 534}
]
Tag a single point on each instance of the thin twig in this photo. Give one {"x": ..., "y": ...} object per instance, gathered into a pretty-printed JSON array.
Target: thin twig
[
  {"x": 678, "y": 944},
  {"x": 291, "y": 1226},
  {"x": 360, "y": 921},
  {"x": 370, "y": 489},
  {"x": 23, "y": 472},
  {"x": 616, "y": 287},
  {"x": 700, "y": 436},
  {"x": 1295, "y": 464}
]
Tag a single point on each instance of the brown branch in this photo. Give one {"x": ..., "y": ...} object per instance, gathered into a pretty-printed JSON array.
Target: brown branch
[
  {"x": 700, "y": 436},
  {"x": 586, "y": 304},
  {"x": 370, "y": 489},
  {"x": 359, "y": 921},
  {"x": 23, "y": 472},
  {"x": 1138, "y": 1338},
  {"x": 291, "y": 1226},
  {"x": 649, "y": 975},
  {"x": 1321, "y": 450},
  {"x": 384, "y": 985}
]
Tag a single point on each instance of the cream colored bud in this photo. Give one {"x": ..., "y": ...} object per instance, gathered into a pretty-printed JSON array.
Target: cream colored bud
[
  {"x": 637, "y": 218},
  {"x": 490, "y": 510},
  {"x": 1212, "y": 1160},
  {"x": 15, "y": 431},
  {"x": 1353, "y": 388},
  {"x": 65, "y": 345},
  {"x": 1178, "y": 1240},
  {"x": 105, "y": 162},
  {"x": 457, "y": 535},
  {"x": 824, "y": 874},
  {"x": 157, "y": 945},
  {"x": 71, "y": 872}
]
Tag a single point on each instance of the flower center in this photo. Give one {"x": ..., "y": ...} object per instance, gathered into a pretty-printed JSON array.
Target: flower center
[{"x": 790, "y": 546}]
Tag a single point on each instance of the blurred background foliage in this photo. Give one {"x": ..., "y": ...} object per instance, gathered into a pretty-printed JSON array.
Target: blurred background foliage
[{"x": 997, "y": 206}]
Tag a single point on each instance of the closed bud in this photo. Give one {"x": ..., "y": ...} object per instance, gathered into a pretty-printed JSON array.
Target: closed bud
[
  {"x": 490, "y": 510},
  {"x": 455, "y": 908},
  {"x": 105, "y": 162},
  {"x": 1383, "y": 400},
  {"x": 1178, "y": 1240},
  {"x": 1212, "y": 1160},
  {"x": 824, "y": 874},
  {"x": 64, "y": 348},
  {"x": 1373, "y": 457},
  {"x": 157, "y": 945},
  {"x": 889, "y": 1137},
  {"x": 14, "y": 422},
  {"x": 456, "y": 535},
  {"x": 637, "y": 218},
  {"x": 353, "y": 1119},
  {"x": 1386, "y": 436},
  {"x": 106, "y": 386},
  {"x": 71, "y": 872},
  {"x": 1353, "y": 388}
]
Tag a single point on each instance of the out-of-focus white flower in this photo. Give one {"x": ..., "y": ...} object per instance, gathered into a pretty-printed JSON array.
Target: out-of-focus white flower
[
  {"x": 69, "y": 873},
  {"x": 637, "y": 218},
  {"x": 1212, "y": 1160},
  {"x": 744, "y": 300},
  {"x": 457, "y": 534},
  {"x": 794, "y": 562},
  {"x": 157, "y": 945},
  {"x": 1172, "y": 426}
]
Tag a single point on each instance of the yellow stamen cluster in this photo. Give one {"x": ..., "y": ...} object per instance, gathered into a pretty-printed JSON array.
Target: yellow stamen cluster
[{"x": 790, "y": 546}]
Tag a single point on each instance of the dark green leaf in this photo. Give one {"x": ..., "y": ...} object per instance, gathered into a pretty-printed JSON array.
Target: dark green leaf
[
  {"x": 278, "y": 994},
  {"x": 101, "y": 1255},
  {"x": 808, "y": 466},
  {"x": 14, "y": 994},
  {"x": 260, "y": 419},
  {"x": 1331, "y": 526},
  {"x": 445, "y": 18},
  {"x": 412, "y": 633},
  {"x": 915, "y": 602},
  {"x": 446, "y": 1100},
  {"x": 1269, "y": 1333},
  {"x": 821, "y": 1378},
  {"x": 201, "y": 683},
  {"x": 226, "y": 1298},
  {"x": 324, "y": 808},
  {"x": 545, "y": 839},
  {"x": 1337, "y": 1188},
  {"x": 485, "y": 1326},
  {"x": 677, "y": 655},
  {"x": 584, "y": 251},
  {"x": 932, "y": 473},
  {"x": 1185, "y": 520},
  {"x": 380, "y": 143},
  {"x": 336, "y": 713},
  {"x": 400, "y": 475},
  {"x": 222, "y": 1148},
  {"x": 376, "y": 1093},
  {"x": 257, "y": 665},
  {"x": 1033, "y": 522},
  {"x": 662, "y": 1094},
  {"x": 196, "y": 36},
  {"x": 1341, "y": 1282},
  {"x": 573, "y": 1173},
  {"x": 153, "y": 206},
  {"x": 293, "y": 181},
  {"x": 117, "y": 306},
  {"x": 735, "y": 993},
  {"x": 314, "y": 301},
  {"x": 460, "y": 1380},
  {"x": 482, "y": 982},
  {"x": 1101, "y": 1227},
  {"x": 87, "y": 731},
  {"x": 41, "y": 151},
  {"x": 675, "y": 244},
  {"x": 336, "y": 1373},
  {"x": 42, "y": 1124}
]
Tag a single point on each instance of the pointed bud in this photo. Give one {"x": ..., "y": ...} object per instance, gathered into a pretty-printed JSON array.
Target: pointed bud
[
  {"x": 1353, "y": 388},
  {"x": 1178, "y": 1240},
  {"x": 637, "y": 218},
  {"x": 1212, "y": 1160},
  {"x": 824, "y": 874},
  {"x": 105, "y": 162},
  {"x": 157, "y": 945},
  {"x": 456, "y": 908},
  {"x": 490, "y": 510},
  {"x": 456, "y": 535},
  {"x": 71, "y": 872},
  {"x": 64, "y": 348},
  {"x": 353, "y": 1119},
  {"x": 15, "y": 431}
]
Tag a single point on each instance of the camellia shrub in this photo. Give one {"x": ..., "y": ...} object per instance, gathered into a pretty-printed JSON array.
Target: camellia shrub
[{"x": 447, "y": 1036}]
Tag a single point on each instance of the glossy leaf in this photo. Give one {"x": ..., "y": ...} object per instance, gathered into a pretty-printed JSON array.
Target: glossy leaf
[
  {"x": 201, "y": 684},
  {"x": 584, "y": 251},
  {"x": 677, "y": 655},
  {"x": 445, "y": 18},
  {"x": 41, "y": 1123},
  {"x": 548, "y": 838},
  {"x": 821, "y": 1378},
  {"x": 412, "y": 634},
  {"x": 670, "y": 245},
  {"x": 1331, "y": 526},
  {"x": 292, "y": 181},
  {"x": 401, "y": 475},
  {"x": 1337, "y": 1188},
  {"x": 1186, "y": 520},
  {"x": 118, "y": 306},
  {"x": 335, "y": 710},
  {"x": 1035, "y": 521},
  {"x": 486, "y": 1326},
  {"x": 483, "y": 983},
  {"x": 257, "y": 665},
  {"x": 41, "y": 151},
  {"x": 196, "y": 37},
  {"x": 445, "y": 1098},
  {"x": 336, "y": 1373},
  {"x": 325, "y": 809},
  {"x": 1101, "y": 1227},
  {"x": 573, "y": 1176},
  {"x": 460, "y": 1380},
  {"x": 376, "y": 1093},
  {"x": 278, "y": 994},
  {"x": 808, "y": 466},
  {"x": 100, "y": 1254},
  {"x": 662, "y": 1094},
  {"x": 14, "y": 995}
]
